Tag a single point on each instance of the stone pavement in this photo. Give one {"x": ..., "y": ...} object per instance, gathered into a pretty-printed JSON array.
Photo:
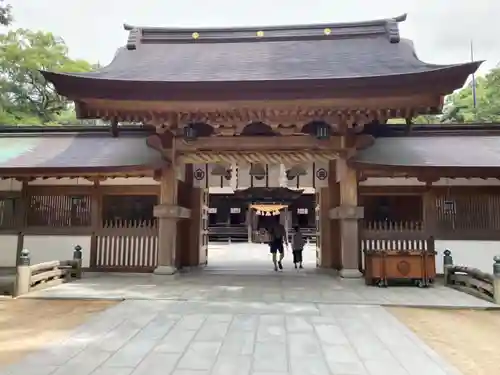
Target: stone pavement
[
  {"x": 150, "y": 337},
  {"x": 229, "y": 277},
  {"x": 235, "y": 321}
]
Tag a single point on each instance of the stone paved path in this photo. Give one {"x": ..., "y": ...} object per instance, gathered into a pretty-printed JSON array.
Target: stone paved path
[
  {"x": 231, "y": 320},
  {"x": 237, "y": 338},
  {"x": 233, "y": 274}
]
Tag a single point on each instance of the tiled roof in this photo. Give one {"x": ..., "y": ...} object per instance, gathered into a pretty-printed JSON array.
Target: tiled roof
[
  {"x": 312, "y": 52},
  {"x": 433, "y": 151},
  {"x": 20, "y": 152}
]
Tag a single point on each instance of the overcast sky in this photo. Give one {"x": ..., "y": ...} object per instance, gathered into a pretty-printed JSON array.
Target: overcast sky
[{"x": 441, "y": 29}]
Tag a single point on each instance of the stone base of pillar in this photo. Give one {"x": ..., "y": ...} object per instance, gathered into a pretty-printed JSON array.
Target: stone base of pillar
[
  {"x": 165, "y": 270},
  {"x": 347, "y": 273}
]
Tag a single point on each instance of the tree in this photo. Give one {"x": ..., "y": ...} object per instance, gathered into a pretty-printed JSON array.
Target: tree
[
  {"x": 5, "y": 13},
  {"x": 459, "y": 106},
  {"x": 24, "y": 93}
]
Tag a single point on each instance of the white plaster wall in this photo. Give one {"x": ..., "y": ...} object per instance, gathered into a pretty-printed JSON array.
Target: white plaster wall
[
  {"x": 61, "y": 182},
  {"x": 8, "y": 250},
  {"x": 130, "y": 181},
  {"x": 401, "y": 181},
  {"x": 10, "y": 184},
  {"x": 46, "y": 248},
  {"x": 478, "y": 254}
]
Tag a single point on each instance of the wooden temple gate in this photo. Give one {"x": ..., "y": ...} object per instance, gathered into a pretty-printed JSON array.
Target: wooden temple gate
[{"x": 243, "y": 106}]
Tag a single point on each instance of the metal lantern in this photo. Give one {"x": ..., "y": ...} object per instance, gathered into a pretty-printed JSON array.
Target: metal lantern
[
  {"x": 189, "y": 133},
  {"x": 322, "y": 131}
]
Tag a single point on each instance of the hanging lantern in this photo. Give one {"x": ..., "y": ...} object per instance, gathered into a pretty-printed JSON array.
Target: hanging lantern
[
  {"x": 322, "y": 131},
  {"x": 189, "y": 133}
]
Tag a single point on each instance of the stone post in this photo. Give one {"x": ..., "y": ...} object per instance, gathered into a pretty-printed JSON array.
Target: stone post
[
  {"x": 496, "y": 279},
  {"x": 76, "y": 272},
  {"x": 23, "y": 274},
  {"x": 447, "y": 263}
]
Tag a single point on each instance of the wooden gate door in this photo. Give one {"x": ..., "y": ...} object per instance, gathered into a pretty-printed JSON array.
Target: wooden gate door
[
  {"x": 127, "y": 247},
  {"x": 317, "y": 213},
  {"x": 204, "y": 228}
]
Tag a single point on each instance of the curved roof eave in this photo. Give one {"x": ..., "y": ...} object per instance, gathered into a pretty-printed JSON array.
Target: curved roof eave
[{"x": 68, "y": 84}]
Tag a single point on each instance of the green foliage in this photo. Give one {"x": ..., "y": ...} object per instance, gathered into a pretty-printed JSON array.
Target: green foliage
[
  {"x": 459, "y": 107},
  {"x": 5, "y": 13},
  {"x": 24, "y": 93}
]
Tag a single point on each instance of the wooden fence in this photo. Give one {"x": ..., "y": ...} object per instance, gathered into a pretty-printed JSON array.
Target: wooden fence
[
  {"x": 34, "y": 277},
  {"x": 123, "y": 246},
  {"x": 472, "y": 280}
]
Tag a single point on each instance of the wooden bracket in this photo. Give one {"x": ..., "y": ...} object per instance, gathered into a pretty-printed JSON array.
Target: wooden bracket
[
  {"x": 168, "y": 211},
  {"x": 346, "y": 213}
]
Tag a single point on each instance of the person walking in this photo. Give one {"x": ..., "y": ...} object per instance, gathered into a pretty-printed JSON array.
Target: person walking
[
  {"x": 277, "y": 241},
  {"x": 297, "y": 246}
]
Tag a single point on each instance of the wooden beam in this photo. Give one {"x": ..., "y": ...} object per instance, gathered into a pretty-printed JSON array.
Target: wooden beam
[{"x": 256, "y": 143}]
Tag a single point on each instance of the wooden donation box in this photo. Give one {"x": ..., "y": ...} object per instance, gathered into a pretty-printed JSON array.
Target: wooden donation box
[{"x": 390, "y": 260}]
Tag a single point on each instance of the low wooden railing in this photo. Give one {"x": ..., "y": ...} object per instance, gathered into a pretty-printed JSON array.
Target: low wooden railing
[
  {"x": 472, "y": 280},
  {"x": 228, "y": 233},
  {"x": 393, "y": 226},
  {"x": 34, "y": 277}
]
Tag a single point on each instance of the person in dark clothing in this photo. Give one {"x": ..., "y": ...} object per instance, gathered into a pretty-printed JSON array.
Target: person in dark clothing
[
  {"x": 277, "y": 241},
  {"x": 297, "y": 246}
]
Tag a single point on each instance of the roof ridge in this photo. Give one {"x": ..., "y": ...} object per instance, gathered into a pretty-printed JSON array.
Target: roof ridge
[{"x": 141, "y": 34}]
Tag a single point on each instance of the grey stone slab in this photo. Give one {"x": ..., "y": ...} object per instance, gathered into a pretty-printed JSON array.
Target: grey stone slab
[
  {"x": 303, "y": 345},
  {"x": 24, "y": 369},
  {"x": 156, "y": 329},
  {"x": 348, "y": 368},
  {"x": 199, "y": 356},
  {"x": 331, "y": 334},
  {"x": 176, "y": 341},
  {"x": 212, "y": 331},
  {"x": 238, "y": 343},
  {"x": 191, "y": 322},
  {"x": 113, "y": 371},
  {"x": 296, "y": 324},
  {"x": 384, "y": 367},
  {"x": 157, "y": 363},
  {"x": 244, "y": 322},
  {"x": 309, "y": 366},
  {"x": 231, "y": 365},
  {"x": 131, "y": 354},
  {"x": 83, "y": 364},
  {"x": 340, "y": 353},
  {"x": 270, "y": 356},
  {"x": 117, "y": 337}
]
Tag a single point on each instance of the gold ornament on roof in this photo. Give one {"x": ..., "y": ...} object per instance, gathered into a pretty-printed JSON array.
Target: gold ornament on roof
[
  {"x": 195, "y": 35},
  {"x": 260, "y": 33},
  {"x": 327, "y": 31}
]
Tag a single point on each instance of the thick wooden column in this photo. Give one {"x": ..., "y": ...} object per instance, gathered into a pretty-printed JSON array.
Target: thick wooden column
[
  {"x": 335, "y": 256},
  {"x": 168, "y": 214},
  {"x": 197, "y": 257},
  {"x": 348, "y": 214}
]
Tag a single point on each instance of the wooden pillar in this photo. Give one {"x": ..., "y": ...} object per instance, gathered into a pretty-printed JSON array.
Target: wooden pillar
[
  {"x": 248, "y": 221},
  {"x": 195, "y": 230},
  {"x": 325, "y": 238},
  {"x": 168, "y": 214},
  {"x": 348, "y": 214},
  {"x": 184, "y": 226}
]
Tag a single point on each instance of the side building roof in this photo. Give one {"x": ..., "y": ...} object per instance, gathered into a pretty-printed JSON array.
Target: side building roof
[
  {"x": 79, "y": 153},
  {"x": 453, "y": 155},
  {"x": 361, "y": 56}
]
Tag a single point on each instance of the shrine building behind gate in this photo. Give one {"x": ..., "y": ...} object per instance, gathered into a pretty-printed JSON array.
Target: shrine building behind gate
[{"x": 294, "y": 114}]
